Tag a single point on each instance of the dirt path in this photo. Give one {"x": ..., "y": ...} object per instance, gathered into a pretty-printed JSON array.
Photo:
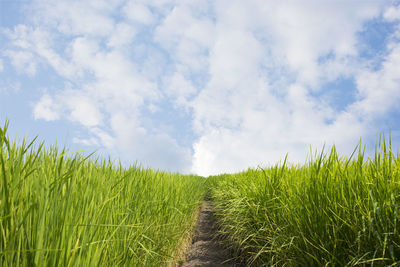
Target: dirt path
[{"x": 205, "y": 250}]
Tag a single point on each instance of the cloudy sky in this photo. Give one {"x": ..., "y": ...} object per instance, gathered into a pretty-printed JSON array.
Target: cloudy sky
[{"x": 201, "y": 86}]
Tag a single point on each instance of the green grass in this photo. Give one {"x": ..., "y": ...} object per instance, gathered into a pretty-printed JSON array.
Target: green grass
[
  {"x": 62, "y": 209},
  {"x": 332, "y": 211}
]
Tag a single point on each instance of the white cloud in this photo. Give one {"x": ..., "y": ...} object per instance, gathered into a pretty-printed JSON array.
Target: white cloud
[
  {"x": 19, "y": 36},
  {"x": 91, "y": 18},
  {"x": 379, "y": 91},
  {"x": 150, "y": 149},
  {"x": 269, "y": 128},
  {"x": 243, "y": 116},
  {"x": 179, "y": 88},
  {"x": 105, "y": 139},
  {"x": 392, "y": 13},
  {"x": 249, "y": 72},
  {"x": 92, "y": 141},
  {"x": 46, "y": 109},
  {"x": 82, "y": 108},
  {"x": 34, "y": 47},
  {"x": 116, "y": 75},
  {"x": 138, "y": 12},
  {"x": 235, "y": 58},
  {"x": 187, "y": 35},
  {"x": 1, "y": 65},
  {"x": 305, "y": 32},
  {"x": 108, "y": 89},
  {"x": 122, "y": 35},
  {"x": 23, "y": 61},
  {"x": 99, "y": 138}
]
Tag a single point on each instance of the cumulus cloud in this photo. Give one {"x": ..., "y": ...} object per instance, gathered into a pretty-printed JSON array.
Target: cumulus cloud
[
  {"x": 246, "y": 114},
  {"x": 392, "y": 13},
  {"x": 187, "y": 33},
  {"x": 108, "y": 85},
  {"x": 150, "y": 149},
  {"x": 32, "y": 47},
  {"x": 379, "y": 91},
  {"x": 138, "y": 12},
  {"x": 180, "y": 89},
  {"x": 123, "y": 35},
  {"x": 23, "y": 61},
  {"x": 92, "y": 18},
  {"x": 92, "y": 141},
  {"x": 46, "y": 109},
  {"x": 99, "y": 138},
  {"x": 82, "y": 109},
  {"x": 105, "y": 138},
  {"x": 250, "y": 76}
]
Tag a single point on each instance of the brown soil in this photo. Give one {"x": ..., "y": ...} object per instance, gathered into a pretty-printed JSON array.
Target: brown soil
[{"x": 205, "y": 249}]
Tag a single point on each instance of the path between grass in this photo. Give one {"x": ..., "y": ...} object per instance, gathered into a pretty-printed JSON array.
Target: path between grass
[{"x": 205, "y": 249}]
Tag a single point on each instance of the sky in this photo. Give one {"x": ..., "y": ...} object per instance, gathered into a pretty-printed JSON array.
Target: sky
[{"x": 198, "y": 86}]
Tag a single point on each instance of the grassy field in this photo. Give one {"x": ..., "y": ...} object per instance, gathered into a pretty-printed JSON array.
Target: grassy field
[
  {"x": 61, "y": 209},
  {"x": 332, "y": 211}
]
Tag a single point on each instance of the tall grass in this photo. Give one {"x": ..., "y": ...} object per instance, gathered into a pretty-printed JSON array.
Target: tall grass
[
  {"x": 332, "y": 211},
  {"x": 61, "y": 209}
]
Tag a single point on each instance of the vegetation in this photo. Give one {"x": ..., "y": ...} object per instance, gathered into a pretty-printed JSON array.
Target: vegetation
[
  {"x": 333, "y": 211},
  {"x": 62, "y": 209}
]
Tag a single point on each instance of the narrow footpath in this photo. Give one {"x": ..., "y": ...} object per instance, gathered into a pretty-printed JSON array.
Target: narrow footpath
[{"x": 205, "y": 250}]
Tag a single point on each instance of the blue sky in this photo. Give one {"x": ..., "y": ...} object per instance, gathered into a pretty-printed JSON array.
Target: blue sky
[{"x": 201, "y": 86}]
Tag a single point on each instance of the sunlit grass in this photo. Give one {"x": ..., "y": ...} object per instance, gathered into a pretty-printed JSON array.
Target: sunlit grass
[
  {"x": 333, "y": 211},
  {"x": 61, "y": 209}
]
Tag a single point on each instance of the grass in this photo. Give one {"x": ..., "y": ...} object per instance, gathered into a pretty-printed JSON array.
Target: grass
[
  {"x": 332, "y": 211},
  {"x": 63, "y": 209}
]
